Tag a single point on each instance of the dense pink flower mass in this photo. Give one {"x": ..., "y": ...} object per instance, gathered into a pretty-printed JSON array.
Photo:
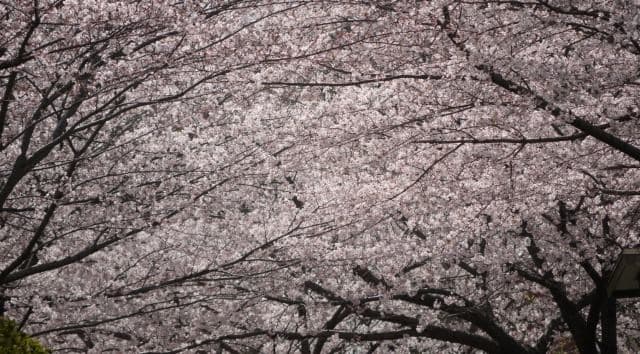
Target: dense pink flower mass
[{"x": 319, "y": 176}]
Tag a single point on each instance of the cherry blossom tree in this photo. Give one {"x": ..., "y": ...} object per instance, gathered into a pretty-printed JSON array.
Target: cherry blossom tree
[
  {"x": 479, "y": 164},
  {"x": 128, "y": 169},
  {"x": 310, "y": 176}
]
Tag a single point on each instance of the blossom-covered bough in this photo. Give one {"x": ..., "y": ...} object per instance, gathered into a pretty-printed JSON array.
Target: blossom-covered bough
[
  {"x": 126, "y": 168},
  {"x": 315, "y": 177},
  {"x": 492, "y": 150}
]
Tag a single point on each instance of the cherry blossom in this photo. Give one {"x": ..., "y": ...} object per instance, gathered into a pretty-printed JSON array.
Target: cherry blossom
[{"x": 310, "y": 176}]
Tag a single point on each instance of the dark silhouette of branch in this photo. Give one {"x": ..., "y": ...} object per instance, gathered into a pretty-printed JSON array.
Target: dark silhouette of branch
[{"x": 354, "y": 83}]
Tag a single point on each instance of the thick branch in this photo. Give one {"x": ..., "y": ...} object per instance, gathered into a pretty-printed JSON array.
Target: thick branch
[
  {"x": 40, "y": 268},
  {"x": 583, "y": 125},
  {"x": 522, "y": 141},
  {"x": 353, "y": 83},
  {"x": 473, "y": 315},
  {"x": 26, "y": 253}
]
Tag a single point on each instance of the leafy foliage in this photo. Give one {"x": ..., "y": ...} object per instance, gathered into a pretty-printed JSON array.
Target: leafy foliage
[{"x": 12, "y": 341}]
